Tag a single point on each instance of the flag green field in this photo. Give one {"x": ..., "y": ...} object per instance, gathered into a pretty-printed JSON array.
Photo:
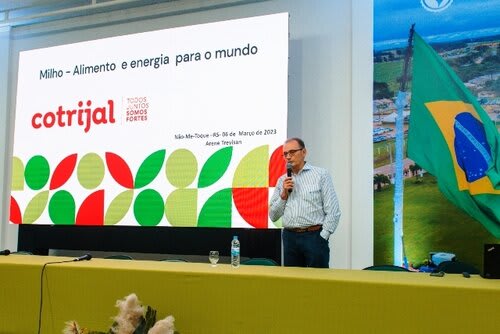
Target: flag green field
[{"x": 453, "y": 138}]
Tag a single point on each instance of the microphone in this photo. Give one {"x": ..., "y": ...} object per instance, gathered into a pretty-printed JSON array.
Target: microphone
[
  {"x": 5, "y": 252},
  {"x": 289, "y": 172},
  {"x": 83, "y": 257}
]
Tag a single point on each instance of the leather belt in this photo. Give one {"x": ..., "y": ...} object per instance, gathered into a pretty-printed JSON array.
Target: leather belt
[{"x": 305, "y": 229}]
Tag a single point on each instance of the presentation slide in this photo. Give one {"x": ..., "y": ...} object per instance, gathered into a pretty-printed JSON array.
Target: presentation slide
[{"x": 178, "y": 127}]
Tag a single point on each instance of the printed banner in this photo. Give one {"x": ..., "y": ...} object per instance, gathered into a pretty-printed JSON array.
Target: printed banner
[{"x": 447, "y": 161}]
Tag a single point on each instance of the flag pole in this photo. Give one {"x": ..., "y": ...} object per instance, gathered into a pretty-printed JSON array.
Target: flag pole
[
  {"x": 409, "y": 51},
  {"x": 399, "y": 250}
]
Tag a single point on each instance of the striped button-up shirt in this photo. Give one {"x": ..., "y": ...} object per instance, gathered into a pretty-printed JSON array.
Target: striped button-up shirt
[{"x": 313, "y": 201}]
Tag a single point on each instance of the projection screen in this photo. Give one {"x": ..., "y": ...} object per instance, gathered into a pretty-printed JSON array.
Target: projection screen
[{"x": 176, "y": 127}]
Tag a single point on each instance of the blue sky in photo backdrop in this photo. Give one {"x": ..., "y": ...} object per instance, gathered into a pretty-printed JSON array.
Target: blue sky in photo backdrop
[{"x": 393, "y": 19}]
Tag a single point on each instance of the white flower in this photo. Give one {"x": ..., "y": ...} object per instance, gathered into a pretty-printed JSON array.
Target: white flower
[
  {"x": 164, "y": 326},
  {"x": 129, "y": 316},
  {"x": 72, "y": 327}
]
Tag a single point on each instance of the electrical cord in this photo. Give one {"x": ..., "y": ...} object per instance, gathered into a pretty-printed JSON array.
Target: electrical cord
[{"x": 40, "y": 307}]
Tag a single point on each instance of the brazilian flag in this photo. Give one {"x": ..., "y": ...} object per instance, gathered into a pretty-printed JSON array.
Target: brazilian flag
[{"x": 453, "y": 138}]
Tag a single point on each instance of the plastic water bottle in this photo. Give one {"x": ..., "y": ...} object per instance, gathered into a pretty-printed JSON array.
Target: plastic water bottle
[{"x": 235, "y": 252}]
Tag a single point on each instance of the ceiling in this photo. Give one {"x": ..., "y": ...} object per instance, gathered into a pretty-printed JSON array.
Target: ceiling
[{"x": 24, "y": 12}]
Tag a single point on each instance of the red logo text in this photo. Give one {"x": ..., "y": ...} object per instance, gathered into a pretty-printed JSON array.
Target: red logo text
[{"x": 79, "y": 117}]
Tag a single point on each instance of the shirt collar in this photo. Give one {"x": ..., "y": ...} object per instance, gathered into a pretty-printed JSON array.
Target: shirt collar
[{"x": 307, "y": 166}]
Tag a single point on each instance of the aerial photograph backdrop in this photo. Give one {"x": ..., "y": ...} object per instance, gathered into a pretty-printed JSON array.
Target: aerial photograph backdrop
[{"x": 436, "y": 120}]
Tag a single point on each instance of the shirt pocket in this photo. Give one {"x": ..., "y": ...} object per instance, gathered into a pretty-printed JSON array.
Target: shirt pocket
[{"x": 313, "y": 195}]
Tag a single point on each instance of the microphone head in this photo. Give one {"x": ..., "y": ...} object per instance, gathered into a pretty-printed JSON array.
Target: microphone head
[
  {"x": 289, "y": 172},
  {"x": 288, "y": 169},
  {"x": 83, "y": 257}
]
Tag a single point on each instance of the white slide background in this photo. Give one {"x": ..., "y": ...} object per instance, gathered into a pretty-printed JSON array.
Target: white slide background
[{"x": 194, "y": 98}]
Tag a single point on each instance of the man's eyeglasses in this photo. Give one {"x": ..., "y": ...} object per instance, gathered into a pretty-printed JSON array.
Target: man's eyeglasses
[{"x": 291, "y": 152}]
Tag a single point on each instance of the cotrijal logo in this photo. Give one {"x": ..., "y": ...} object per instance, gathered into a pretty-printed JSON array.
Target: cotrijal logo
[
  {"x": 81, "y": 116},
  {"x": 435, "y": 5}
]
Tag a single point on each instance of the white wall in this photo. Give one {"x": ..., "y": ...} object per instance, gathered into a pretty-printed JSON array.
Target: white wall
[
  {"x": 330, "y": 83},
  {"x": 4, "y": 136}
]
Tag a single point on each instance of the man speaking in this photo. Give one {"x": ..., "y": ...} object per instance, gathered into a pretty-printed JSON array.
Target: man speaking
[{"x": 306, "y": 199}]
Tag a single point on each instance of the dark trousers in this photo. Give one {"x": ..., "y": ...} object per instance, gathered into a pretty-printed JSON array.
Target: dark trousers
[{"x": 305, "y": 249}]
